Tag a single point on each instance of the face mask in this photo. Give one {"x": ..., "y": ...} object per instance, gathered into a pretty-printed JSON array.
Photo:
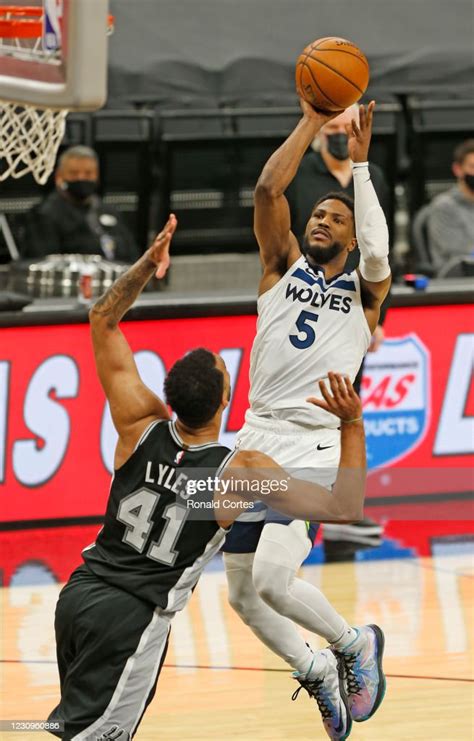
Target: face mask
[
  {"x": 337, "y": 146},
  {"x": 469, "y": 180},
  {"x": 80, "y": 189}
]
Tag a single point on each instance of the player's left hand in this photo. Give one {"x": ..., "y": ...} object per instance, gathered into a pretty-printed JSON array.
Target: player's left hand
[
  {"x": 317, "y": 115},
  {"x": 159, "y": 251},
  {"x": 343, "y": 401},
  {"x": 361, "y": 134}
]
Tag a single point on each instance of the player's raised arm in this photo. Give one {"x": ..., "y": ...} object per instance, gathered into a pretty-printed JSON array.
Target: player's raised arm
[
  {"x": 370, "y": 222},
  {"x": 272, "y": 225},
  {"x": 302, "y": 499},
  {"x": 132, "y": 404}
]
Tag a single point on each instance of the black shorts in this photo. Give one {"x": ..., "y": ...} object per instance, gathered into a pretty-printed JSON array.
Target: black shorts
[
  {"x": 110, "y": 649},
  {"x": 243, "y": 537}
]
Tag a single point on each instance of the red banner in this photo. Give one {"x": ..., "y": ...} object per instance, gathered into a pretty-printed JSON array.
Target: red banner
[{"x": 56, "y": 437}]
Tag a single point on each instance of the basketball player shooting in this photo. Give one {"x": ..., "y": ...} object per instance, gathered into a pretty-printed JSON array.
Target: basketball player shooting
[
  {"x": 113, "y": 616},
  {"x": 313, "y": 318}
]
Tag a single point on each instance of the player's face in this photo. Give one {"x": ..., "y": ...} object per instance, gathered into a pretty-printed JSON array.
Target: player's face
[
  {"x": 468, "y": 164},
  {"x": 464, "y": 168},
  {"x": 78, "y": 168},
  {"x": 329, "y": 231},
  {"x": 222, "y": 367}
]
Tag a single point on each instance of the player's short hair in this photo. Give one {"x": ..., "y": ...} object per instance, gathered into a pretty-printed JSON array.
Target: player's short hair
[
  {"x": 337, "y": 195},
  {"x": 80, "y": 152},
  {"x": 462, "y": 150},
  {"x": 194, "y": 387}
]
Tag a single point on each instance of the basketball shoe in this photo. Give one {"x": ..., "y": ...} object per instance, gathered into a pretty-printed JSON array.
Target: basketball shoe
[
  {"x": 361, "y": 666},
  {"x": 330, "y": 695}
]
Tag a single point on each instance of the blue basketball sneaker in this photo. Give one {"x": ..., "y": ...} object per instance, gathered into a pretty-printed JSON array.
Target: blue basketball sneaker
[
  {"x": 329, "y": 693},
  {"x": 361, "y": 665}
]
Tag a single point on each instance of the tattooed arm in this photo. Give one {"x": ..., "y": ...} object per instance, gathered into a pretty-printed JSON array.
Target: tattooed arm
[{"x": 132, "y": 404}]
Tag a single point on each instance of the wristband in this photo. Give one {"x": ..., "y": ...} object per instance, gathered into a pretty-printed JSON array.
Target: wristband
[{"x": 349, "y": 421}]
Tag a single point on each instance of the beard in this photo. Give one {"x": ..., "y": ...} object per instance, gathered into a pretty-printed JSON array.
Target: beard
[{"x": 321, "y": 255}]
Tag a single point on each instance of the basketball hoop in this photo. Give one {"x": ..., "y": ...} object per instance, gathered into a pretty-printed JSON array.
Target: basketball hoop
[{"x": 30, "y": 135}]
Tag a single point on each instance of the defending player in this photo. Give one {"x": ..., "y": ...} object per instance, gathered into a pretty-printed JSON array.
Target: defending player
[
  {"x": 113, "y": 616},
  {"x": 312, "y": 317}
]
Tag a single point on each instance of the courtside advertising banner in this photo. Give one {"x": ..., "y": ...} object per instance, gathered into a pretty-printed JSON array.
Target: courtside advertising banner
[{"x": 57, "y": 439}]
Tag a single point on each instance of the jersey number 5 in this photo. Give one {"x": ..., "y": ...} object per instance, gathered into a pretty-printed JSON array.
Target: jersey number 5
[
  {"x": 136, "y": 510},
  {"x": 304, "y": 328}
]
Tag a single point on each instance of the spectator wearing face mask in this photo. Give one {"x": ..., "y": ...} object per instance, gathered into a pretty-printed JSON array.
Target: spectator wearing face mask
[
  {"x": 73, "y": 218},
  {"x": 326, "y": 167},
  {"x": 450, "y": 221}
]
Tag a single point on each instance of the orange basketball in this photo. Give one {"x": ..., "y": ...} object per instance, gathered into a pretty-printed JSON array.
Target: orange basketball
[{"x": 332, "y": 73}]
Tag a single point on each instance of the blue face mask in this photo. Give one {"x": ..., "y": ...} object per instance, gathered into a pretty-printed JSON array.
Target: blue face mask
[{"x": 338, "y": 146}]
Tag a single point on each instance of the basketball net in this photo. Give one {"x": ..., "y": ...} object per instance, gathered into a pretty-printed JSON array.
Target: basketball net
[{"x": 29, "y": 140}]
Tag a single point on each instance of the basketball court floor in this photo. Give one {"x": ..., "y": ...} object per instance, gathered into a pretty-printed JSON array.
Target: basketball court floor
[{"x": 219, "y": 682}]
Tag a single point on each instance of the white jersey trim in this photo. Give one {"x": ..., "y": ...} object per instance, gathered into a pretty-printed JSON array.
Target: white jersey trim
[
  {"x": 359, "y": 288},
  {"x": 147, "y": 431},
  {"x": 179, "y": 595},
  {"x": 138, "y": 676},
  {"x": 176, "y": 437},
  {"x": 225, "y": 462},
  {"x": 263, "y": 296}
]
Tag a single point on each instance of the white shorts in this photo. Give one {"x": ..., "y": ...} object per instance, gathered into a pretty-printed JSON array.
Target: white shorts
[{"x": 311, "y": 454}]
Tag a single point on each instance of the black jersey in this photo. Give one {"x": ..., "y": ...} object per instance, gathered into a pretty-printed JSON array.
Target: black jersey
[{"x": 150, "y": 544}]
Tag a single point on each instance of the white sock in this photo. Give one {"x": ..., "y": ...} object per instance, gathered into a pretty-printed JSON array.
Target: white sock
[
  {"x": 274, "y": 630},
  {"x": 318, "y": 666},
  {"x": 349, "y": 637},
  {"x": 280, "y": 552}
]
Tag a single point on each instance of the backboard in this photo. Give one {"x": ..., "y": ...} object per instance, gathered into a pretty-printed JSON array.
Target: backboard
[{"x": 72, "y": 76}]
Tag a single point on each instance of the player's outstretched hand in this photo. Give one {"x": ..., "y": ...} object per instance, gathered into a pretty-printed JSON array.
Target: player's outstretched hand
[
  {"x": 342, "y": 401},
  {"x": 159, "y": 251},
  {"x": 361, "y": 134},
  {"x": 319, "y": 116}
]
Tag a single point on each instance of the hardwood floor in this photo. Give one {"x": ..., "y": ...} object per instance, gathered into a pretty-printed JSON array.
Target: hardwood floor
[{"x": 219, "y": 682}]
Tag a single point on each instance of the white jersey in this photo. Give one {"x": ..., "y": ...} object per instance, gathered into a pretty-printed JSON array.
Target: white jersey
[{"x": 306, "y": 327}]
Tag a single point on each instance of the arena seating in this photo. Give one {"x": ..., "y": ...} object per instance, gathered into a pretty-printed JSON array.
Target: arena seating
[
  {"x": 125, "y": 142},
  {"x": 19, "y": 195},
  {"x": 435, "y": 127},
  {"x": 211, "y": 160},
  {"x": 202, "y": 163}
]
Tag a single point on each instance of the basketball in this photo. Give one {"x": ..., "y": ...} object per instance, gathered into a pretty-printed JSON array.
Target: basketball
[{"x": 332, "y": 74}]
